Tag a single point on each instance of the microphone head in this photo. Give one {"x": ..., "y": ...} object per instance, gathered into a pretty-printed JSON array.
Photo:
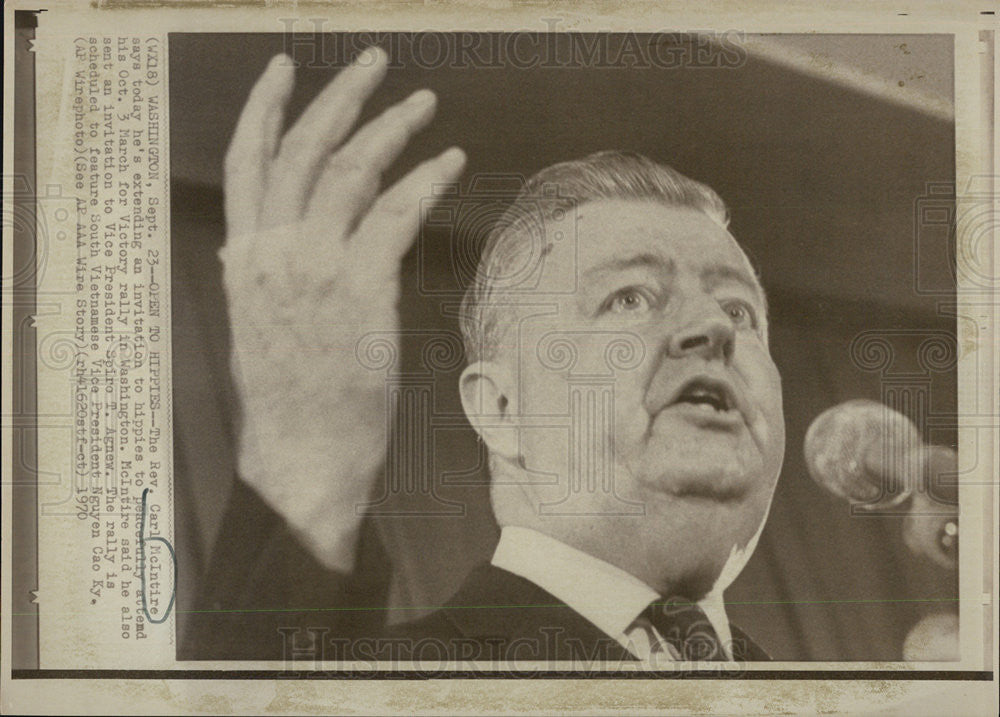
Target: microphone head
[
  {"x": 865, "y": 452},
  {"x": 934, "y": 639}
]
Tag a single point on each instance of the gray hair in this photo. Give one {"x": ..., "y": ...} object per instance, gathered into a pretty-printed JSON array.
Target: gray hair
[{"x": 516, "y": 244}]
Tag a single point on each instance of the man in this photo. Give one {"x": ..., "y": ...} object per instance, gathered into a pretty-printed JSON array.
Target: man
[{"x": 618, "y": 374}]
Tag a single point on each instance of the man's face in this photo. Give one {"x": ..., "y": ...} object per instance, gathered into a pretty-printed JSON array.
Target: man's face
[{"x": 667, "y": 427}]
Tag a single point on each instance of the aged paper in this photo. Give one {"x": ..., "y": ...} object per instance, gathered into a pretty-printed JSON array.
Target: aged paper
[{"x": 243, "y": 475}]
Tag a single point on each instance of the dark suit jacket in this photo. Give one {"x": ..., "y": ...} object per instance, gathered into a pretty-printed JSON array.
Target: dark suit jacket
[
  {"x": 266, "y": 598},
  {"x": 499, "y": 616}
]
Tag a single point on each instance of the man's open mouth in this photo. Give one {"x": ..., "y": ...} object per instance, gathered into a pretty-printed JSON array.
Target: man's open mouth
[{"x": 707, "y": 394}]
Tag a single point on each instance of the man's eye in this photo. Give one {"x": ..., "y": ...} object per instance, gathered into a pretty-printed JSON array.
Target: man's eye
[
  {"x": 627, "y": 300},
  {"x": 741, "y": 313}
]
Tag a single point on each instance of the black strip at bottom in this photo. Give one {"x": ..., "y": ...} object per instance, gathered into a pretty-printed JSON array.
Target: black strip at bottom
[{"x": 488, "y": 674}]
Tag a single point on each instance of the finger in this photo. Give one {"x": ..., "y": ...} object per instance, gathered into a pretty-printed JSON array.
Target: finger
[
  {"x": 253, "y": 143},
  {"x": 394, "y": 220},
  {"x": 306, "y": 146},
  {"x": 351, "y": 178}
]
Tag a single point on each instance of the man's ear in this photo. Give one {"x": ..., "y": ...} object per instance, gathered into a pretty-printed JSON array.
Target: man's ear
[{"x": 489, "y": 400}]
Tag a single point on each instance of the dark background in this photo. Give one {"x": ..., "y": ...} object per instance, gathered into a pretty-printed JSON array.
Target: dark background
[{"x": 829, "y": 188}]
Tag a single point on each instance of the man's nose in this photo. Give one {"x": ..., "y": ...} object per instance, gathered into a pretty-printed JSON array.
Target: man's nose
[{"x": 708, "y": 333}]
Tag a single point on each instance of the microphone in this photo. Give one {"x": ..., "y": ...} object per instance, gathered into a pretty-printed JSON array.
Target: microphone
[
  {"x": 866, "y": 453},
  {"x": 935, "y": 638},
  {"x": 874, "y": 457},
  {"x": 930, "y": 528}
]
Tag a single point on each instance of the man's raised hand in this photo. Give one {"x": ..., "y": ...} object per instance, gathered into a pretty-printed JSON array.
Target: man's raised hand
[{"x": 310, "y": 265}]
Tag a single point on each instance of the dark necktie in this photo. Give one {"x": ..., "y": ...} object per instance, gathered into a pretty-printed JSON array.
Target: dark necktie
[{"x": 686, "y": 628}]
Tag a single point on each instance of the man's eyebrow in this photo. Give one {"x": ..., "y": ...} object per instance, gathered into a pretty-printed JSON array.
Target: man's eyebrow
[
  {"x": 720, "y": 273},
  {"x": 632, "y": 262}
]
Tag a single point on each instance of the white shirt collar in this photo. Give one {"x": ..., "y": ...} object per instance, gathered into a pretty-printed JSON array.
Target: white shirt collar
[{"x": 611, "y": 598}]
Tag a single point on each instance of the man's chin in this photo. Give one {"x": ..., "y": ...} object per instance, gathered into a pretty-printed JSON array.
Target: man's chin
[
  {"x": 712, "y": 483},
  {"x": 703, "y": 466}
]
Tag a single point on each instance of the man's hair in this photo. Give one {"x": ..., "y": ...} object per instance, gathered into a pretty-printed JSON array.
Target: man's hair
[{"x": 516, "y": 245}]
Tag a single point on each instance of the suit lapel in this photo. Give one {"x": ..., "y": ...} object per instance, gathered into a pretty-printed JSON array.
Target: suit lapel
[{"x": 745, "y": 649}]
